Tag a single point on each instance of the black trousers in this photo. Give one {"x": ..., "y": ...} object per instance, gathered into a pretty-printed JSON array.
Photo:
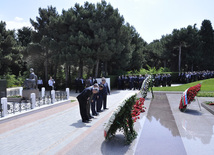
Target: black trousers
[
  {"x": 77, "y": 88},
  {"x": 93, "y": 108},
  {"x": 104, "y": 101},
  {"x": 99, "y": 103},
  {"x": 83, "y": 105},
  {"x": 88, "y": 109}
]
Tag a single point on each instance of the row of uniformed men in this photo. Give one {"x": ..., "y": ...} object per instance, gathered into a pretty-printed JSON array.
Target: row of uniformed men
[
  {"x": 130, "y": 82},
  {"x": 186, "y": 77},
  {"x": 135, "y": 82},
  {"x": 162, "y": 80}
]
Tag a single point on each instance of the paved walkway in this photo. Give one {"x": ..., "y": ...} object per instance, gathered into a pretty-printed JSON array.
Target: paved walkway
[
  {"x": 162, "y": 129},
  {"x": 56, "y": 130}
]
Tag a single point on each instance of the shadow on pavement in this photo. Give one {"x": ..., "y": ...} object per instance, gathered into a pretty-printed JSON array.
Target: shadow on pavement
[
  {"x": 116, "y": 145},
  {"x": 80, "y": 124},
  {"x": 193, "y": 112}
]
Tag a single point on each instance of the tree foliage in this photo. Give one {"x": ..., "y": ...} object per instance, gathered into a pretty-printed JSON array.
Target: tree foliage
[{"x": 94, "y": 40}]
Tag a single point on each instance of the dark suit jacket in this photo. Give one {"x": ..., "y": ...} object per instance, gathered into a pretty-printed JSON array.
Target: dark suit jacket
[
  {"x": 85, "y": 94},
  {"x": 106, "y": 89}
]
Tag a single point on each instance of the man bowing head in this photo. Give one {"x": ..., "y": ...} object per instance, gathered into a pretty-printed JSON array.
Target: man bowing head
[{"x": 84, "y": 99}]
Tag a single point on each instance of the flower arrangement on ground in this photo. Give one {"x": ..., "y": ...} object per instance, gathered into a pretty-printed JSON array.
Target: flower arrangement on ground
[
  {"x": 124, "y": 117},
  {"x": 188, "y": 96},
  {"x": 147, "y": 83},
  {"x": 209, "y": 102}
]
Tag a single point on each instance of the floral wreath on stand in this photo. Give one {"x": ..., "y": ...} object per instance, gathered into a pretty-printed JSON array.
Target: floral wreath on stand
[
  {"x": 124, "y": 117},
  {"x": 126, "y": 114},
  {"x": 147, "y": 83},
  {"x": 188, "y": 96}
]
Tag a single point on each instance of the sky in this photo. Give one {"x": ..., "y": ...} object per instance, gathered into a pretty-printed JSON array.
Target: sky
[{"x": 151, "y": 18}]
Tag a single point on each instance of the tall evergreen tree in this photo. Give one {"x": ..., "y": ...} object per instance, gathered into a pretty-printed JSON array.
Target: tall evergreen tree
[
  {"x": 10, "y": 52},
  {"x": 138, "y": 59},
  {"x": 42, "y": 36},
  {"x": 207, "y": 40}
]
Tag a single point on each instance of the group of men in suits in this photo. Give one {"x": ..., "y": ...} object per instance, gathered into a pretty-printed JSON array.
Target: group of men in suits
[
  {"x": 135, "y": 82},
  {"x": 81, "y": 83},
  {"x": 130, "y": 82},
  {"x": 186, "y": 77},
  {"x": 94, "y": 98},
  {"x": 162, "y": 80}
]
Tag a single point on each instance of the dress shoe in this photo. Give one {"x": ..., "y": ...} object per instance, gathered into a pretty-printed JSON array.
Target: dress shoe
[
  {"x": 85, "y": 121},
  {"x": 106, "y": 109},
  {"x": 91, "y": 117}
]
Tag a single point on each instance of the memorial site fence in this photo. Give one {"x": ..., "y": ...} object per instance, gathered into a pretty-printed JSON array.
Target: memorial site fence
[{"x": 18, "y": 104}]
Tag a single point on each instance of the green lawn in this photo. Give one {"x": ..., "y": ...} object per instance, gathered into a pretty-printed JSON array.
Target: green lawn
[{"x": 207, "y": 88}]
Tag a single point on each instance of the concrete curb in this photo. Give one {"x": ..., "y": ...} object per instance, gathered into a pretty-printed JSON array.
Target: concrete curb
[{"x": 209, "y": 108}]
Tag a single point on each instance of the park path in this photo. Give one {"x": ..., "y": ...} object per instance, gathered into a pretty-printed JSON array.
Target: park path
[
  {"x": 162, "y": 129},
  {"x": 56, "y": 130}
]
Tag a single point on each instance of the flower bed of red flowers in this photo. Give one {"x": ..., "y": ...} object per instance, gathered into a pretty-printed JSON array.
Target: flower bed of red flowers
[
  {"x": 188, "y": 96},
  {"x": 138, "y": 108}
]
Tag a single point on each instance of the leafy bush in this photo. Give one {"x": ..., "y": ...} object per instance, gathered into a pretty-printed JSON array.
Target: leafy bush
[
  {"x": 150, "y": 71},
  {"x": 13, "y": 81}
]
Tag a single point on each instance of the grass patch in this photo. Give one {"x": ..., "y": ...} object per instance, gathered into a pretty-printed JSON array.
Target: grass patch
[
  {"x": 209, "y": 102},
  {"x": 73, "y": 100},
  {"x": 205, "y": 94},
  {"x": 207, "y": 88}
]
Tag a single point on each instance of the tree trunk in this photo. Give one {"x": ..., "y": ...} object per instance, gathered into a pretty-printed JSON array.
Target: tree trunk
[
  {"x": 46, "y": 70},
  {"x": 179, "y": 60},
  {"x": 80, "y": 68},
  {"x": 97, "y": 68},
  {"x": 192, "y": 67},
  {"x": 93, "y": 72},
  {"x": 106, "y": 71},
  {"x": 66, "y": 74},
  {"x": 69, "y": 76},
  {"x": 89, "y": 71},
  {"x": 164, "y": 63},
  {"x": 55, "y": 70}
]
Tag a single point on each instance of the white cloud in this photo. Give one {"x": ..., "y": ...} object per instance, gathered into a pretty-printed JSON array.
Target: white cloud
[
  {"x": 18, "y": 19},
  {"x": 17, "y": 23}
]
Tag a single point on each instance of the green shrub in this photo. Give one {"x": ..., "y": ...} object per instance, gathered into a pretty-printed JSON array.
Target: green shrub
[
  {"x": 14, "y": 81},
  {"x": 150, "y": 70}
]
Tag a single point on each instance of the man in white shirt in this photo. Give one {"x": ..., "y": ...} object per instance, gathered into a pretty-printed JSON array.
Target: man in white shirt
[{"x": 51, "y": 83}]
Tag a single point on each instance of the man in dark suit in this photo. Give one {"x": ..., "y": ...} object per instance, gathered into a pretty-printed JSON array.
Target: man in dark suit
[
  {"x": 105, "y": 92},
  {"x": 77, "y": 84},
  {"x": 99, "y": 98},
  {"x": 84, "y": 98},
  {"x": 81, "y": 84},
  {"x": 93, "y": 102}
]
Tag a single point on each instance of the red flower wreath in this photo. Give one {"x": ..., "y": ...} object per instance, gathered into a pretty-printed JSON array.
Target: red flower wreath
[
  {"x": 138, "y": 108},
  {"x": 188, "y": 96}
]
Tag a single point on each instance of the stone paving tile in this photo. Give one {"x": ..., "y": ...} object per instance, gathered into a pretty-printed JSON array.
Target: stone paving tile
[
  {"x": 48, "y": 132},
  {"x": 196, "y": 126},
  {"x": 59, "y": 130}
]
